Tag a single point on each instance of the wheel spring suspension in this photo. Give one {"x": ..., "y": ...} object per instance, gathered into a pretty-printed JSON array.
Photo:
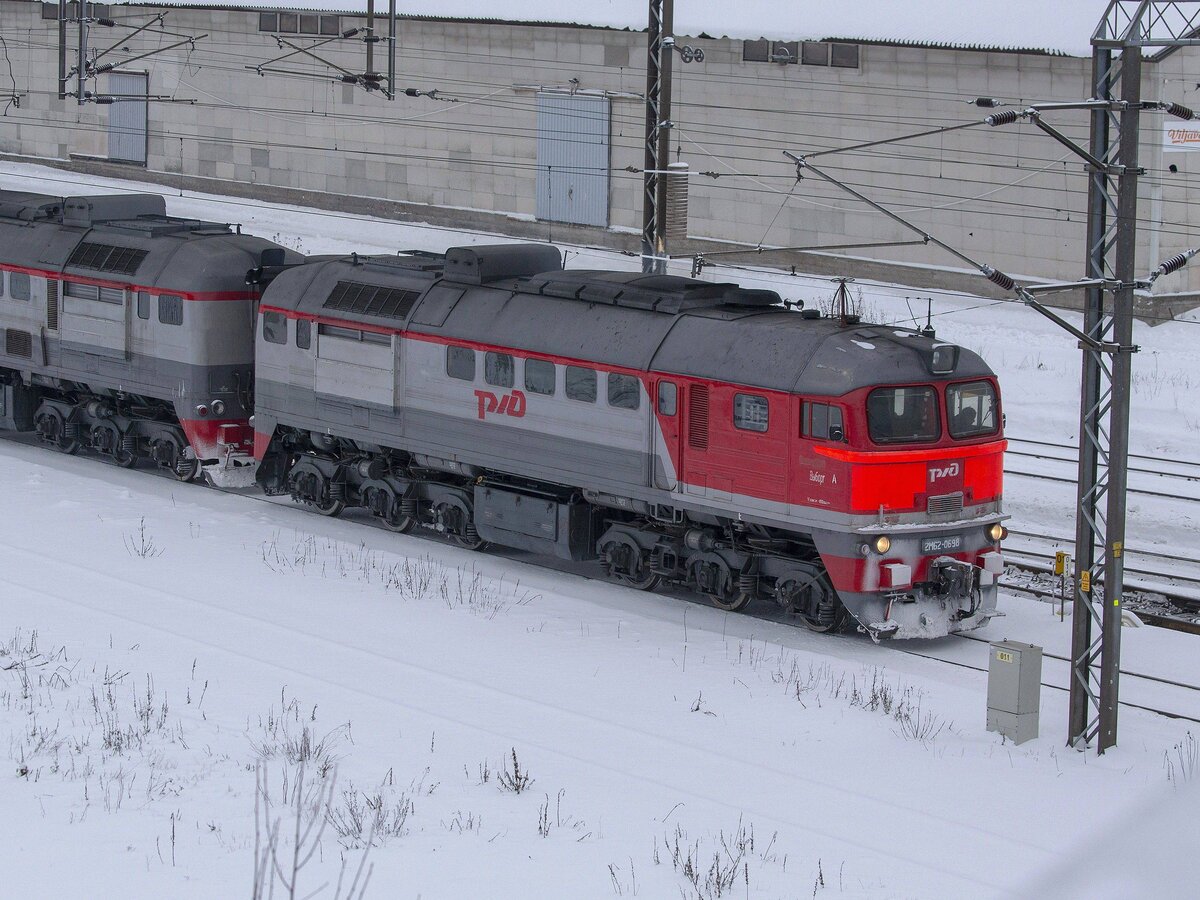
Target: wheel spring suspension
[
  {"x": 337, "y": 490},
  {"x": 408, "y": 507},
  {"x": 70, "y": 430},
  {"x": 469, "y": 531},
  {"x": 747, "y": 583},
  {"x": 129, "y": 444}
]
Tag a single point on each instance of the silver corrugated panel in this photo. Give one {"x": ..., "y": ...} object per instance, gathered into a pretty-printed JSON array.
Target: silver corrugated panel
[
  {"x": 572, "y": 158},
  {"x": 127, "y": 118}
]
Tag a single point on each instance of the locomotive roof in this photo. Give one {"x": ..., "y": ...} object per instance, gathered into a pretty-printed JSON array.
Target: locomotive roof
[
  {"x": 682, "y": 326},
  {"x": 126, "y": 238}
]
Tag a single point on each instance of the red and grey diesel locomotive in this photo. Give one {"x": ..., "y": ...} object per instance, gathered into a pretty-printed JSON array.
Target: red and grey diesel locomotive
[
  {"x": 127, "y": 331},
  {"x": 677, "y": 430}
]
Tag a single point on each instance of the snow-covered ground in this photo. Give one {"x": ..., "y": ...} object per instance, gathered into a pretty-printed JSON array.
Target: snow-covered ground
[{"x": 166, "y": 648}]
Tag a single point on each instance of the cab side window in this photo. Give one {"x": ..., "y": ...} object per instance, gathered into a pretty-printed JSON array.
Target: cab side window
[
  {"x": 823, "y": 422},
  {"x": 274, "y": 326},
  {"x": 750, "y": 412}
]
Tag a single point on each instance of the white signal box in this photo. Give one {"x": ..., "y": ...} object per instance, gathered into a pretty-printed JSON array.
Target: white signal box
[{"x": 1014, "y": 690}]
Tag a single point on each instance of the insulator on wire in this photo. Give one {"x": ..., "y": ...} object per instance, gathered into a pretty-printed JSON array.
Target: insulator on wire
[
  {"x": 1179, "y": 112},
  {"x": 988, "y": 102},
  {"x": 995, "y": 276},
  {"x": 1174, "y": 264},
  {"x": 1004, "y": 118}
]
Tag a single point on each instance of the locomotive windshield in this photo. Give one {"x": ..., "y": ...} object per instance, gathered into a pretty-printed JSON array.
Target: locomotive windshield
[
  {"x": 903, "y": 415},
  {"x": 972, "y": 409}
]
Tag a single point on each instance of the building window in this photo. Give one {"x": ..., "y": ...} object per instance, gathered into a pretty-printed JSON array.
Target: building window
[
  {"x": 749, "y": 412},
  {"x": 581, "y": 384},
  {"x": 274, "y": 327},
  {"x": 143, "y": 305},
  {"x": 293, "y": 23},
  {"x": 460, "y": 363},
  {"x": 814, "y": 53},
  {"x": 303, "y": 334},
  {"x": 539, "y": 377},
  {"x": 844, "y": 56},
  {"x": 785, "y": 52},
  {"x": 498, "y": 369},
  {"x": 810, "y": 53},
  {"x": 668, "y": 398},
  {"x": 624, "y": 391},
  {"x": 170, "y": 309},
  {"x": 823, "y": 422},
  {"x": 756, "y": 51},
  {"x": 18, "y": 285}
]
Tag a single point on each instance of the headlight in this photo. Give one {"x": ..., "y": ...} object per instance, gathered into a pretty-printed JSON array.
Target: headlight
[
  {"x": 997, "y": 532},
  {"x": 202, "y": 410},
  {"x": 218, "y": 407},
  {"x": 882, "y": 544}
]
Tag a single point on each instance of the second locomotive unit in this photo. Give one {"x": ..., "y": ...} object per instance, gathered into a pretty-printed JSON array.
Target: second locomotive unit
[
  {"x": 127, "y": 331},
  {"x": 677, "y": 430}
]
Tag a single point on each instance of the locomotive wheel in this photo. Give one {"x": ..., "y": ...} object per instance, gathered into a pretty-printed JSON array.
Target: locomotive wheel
[
  {"x": 641, "y": 578},
  {"x": 460, "y": 530},
  {"x": 821, "y": 611},
  {"x": 399, "y": 524},
  {"x": 738, "y": 602},
  {"x": 50, "y": 426},
  {"x": 186, "y": 469},
  {"x": 326, "y": 507}
]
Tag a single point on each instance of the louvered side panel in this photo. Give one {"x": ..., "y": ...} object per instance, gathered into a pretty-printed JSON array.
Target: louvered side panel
[
  {"x": 52, "y": 304},
  {"x": 698, "y": 417}
]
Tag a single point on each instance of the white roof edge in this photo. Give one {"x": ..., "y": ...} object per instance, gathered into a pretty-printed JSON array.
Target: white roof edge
[{"x": 1063, "y": 27}]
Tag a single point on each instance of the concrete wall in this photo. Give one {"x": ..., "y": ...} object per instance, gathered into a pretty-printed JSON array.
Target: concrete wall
[{"x": 1010, "y": 197}]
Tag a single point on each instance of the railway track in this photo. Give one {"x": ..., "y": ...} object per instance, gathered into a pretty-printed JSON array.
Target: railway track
[
  {"x": 1161, "y": 599},
  {"x": 1149, "y": 476}
]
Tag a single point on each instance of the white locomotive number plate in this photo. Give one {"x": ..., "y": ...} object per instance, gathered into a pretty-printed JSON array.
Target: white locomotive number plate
[{"x": 941, "y": 544}]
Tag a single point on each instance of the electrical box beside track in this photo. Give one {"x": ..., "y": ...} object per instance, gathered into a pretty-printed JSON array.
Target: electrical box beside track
[{"x": 1014, "y": 690}]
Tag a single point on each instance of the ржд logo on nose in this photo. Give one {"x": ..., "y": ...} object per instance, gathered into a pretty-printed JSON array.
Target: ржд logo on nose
[
  {"x": 936, "y": 472},
  {"x": 511, "y": 404}
]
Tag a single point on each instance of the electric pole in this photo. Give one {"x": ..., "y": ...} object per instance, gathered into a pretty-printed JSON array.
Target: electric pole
[{"x": 660, "y": 44}]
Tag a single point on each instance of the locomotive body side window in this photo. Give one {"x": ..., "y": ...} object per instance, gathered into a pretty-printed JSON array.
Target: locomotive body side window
[
  {"x": 143, "y": 305},
  {"x": 823, "y": 422},
  {"x": 903, "y": 415},
  {"x": 971, "y": 409},
  {"x": 81, "y": 291},
  {"x": 303, "y": 334},
  {"x": 374, "y": 337},
  {"x": 750, "y": 413},
  {"x": 539, "y": 377},
  {"x": 170, "y": 310},
  {"x": 18, "y": 285},
  {"x": 460, "y": 363},
  {"x": 274, "y": 327},
  {"x": 624, "y": 391},
  {"x": 581, "y": 384},
  {"x": 3, "y": 276},
  {"x": 668, "y": 398},
  {"x": 498, "y": 369}
]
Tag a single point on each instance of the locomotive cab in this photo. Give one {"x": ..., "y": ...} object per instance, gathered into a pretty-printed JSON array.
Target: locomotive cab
[{"x": 921, "y": 466}]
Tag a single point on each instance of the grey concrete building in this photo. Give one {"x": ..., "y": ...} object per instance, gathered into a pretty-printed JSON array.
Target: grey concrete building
[{"x": 536, "y": 128}]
